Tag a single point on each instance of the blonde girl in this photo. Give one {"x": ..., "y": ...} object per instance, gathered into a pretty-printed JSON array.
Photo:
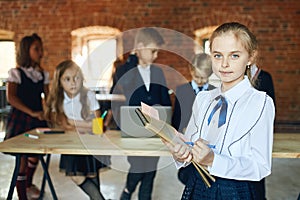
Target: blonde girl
[
  {"x": 231, "y": 126},
  {"x": 72, "y": 106}
]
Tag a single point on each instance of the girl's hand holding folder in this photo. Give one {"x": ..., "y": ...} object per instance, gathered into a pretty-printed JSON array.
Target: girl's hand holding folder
[
  {"x": 180, "y": 152},
  {"x": 175, "y": 141},
  {"x": 202, "y": 154}
]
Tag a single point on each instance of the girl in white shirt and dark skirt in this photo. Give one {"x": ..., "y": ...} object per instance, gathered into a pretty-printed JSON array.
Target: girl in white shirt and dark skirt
[
  {"x": 72, "y": 106},
  {"x": 231, "y": 127}
]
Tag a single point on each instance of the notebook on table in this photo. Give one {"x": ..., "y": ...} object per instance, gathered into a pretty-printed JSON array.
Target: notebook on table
[{"x": 131, "y": 126}]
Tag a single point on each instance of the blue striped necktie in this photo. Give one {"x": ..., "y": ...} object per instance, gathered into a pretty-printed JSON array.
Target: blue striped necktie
[{"x": 223, "y": 112}]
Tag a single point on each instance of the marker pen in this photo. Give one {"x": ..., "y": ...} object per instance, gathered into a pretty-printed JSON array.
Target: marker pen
[
  {"x": 190, "y": 143},
  {"x": 209, "y": 145},
  {"x": 31, "y": 136},
  {"x": 104, "y": 114}
]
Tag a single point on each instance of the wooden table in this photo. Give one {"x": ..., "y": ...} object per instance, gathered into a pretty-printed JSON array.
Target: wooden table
[
  {"x": 285, "y": 146},
  {"x": 109, "y": 143}
]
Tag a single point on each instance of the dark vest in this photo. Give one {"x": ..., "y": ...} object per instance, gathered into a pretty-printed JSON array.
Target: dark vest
[{"x": 30, "y": 92}]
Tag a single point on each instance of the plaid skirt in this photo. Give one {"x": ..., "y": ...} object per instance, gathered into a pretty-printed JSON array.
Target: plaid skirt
[
  {"x": 222, "y": 189},
  {"x": 19, "y": 122}
]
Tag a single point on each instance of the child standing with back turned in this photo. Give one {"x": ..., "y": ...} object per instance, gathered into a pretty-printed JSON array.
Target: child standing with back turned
[
  {"x": 70, "y": 105},
  {"x": 25, "y": 85},
  {"x": 231, "y": 127}
]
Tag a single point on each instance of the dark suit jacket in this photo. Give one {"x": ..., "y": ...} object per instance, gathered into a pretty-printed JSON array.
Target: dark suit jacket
[
  {"x": 131, "y": 84},
  {"x": 185, "y": 97},
  {"x": 130, "y": 63},
  {"x": 135, "y": 89}
]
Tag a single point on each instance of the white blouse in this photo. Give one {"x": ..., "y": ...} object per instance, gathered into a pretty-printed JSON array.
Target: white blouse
[
  {"x": 72, "y": 106},
  {"x": 244, "y": 143},
  {"x": 32, "y": 73}
]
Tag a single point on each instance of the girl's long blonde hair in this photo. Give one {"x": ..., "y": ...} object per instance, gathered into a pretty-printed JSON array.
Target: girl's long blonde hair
[{"x": 54, "y": 102}]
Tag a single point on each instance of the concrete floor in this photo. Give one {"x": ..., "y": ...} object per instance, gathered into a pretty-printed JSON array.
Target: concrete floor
[{"x": 283, "y": 184}]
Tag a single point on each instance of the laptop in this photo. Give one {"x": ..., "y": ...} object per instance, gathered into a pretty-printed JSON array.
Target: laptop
[{"x": 131, "y": 125}]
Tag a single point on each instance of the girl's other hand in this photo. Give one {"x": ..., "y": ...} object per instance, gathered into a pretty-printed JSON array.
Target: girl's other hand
[
  {"x": 180, "y": 152},
  {"x": 202, "y": 154},
  {"x": 39, "y": 115}
]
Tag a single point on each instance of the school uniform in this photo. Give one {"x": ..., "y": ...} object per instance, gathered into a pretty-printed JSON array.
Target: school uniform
[
  {"x": 131, "y": 62},
  {"x": 148, "y": 85},
  {"x": 30, "y": 85},
  {"x": 82, "y": 165},
  {"x": 242, "y": 145}
]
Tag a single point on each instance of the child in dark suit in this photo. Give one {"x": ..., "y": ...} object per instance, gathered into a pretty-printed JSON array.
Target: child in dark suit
[
  {"x": 200, "y": 70},
  {"x": 144, "y": 83}
]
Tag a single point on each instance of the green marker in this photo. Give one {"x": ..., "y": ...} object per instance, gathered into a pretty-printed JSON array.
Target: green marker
[
  {"x": 31, "y": 136},
  {"x": 104, "y": 114}
]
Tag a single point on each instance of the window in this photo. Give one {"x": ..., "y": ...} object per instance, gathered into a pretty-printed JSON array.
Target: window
[
  {"x": 95, "y": 49},
  {"x": 206, "y": 45},
  {"x": 7, "y": 54},
  {"x": 202, "y": 36},
  {"x": 7, "y": 57}
]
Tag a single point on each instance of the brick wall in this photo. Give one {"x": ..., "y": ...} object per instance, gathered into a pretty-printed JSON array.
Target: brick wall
[{"x": 275, "y": 23}]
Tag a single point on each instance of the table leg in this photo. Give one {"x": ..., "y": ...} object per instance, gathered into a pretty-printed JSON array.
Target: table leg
[
  {"x": 44, "y": 165},
  {"x": 14, "y": 178},
  {"x": 44, "y": 177}
]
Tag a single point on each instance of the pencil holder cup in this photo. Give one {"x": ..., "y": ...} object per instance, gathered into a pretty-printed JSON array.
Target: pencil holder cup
[{"x": 98, "y": 125}]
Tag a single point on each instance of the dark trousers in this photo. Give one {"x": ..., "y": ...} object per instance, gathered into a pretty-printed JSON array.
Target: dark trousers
[
  {"x": 142, "y": 169},
  {"x": 146, "y": 186}
]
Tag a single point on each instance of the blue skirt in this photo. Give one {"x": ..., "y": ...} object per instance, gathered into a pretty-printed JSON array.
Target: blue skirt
[{"x": 222, "y": 189}]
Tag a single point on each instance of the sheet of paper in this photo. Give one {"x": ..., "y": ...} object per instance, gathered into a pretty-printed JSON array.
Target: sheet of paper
[{"x": 150, "y": 111}]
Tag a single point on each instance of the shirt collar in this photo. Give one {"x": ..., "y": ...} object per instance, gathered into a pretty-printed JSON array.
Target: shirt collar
[
  {"x": 196, "y": 87},
  {"x": 205, "y": 86},
  {"x": 234, "y": 93},
  {"x": 67, "y": 99},
  {"x": 33, "y": 73},
  {"x": 147, "y": 68},
  {"x": 253, "y": 70}
]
